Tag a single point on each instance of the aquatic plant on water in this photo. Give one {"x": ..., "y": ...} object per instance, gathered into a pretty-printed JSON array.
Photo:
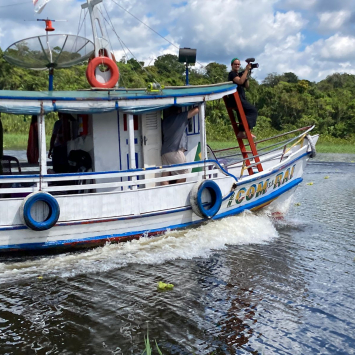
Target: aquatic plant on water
[{"x": 148, "y": 349}]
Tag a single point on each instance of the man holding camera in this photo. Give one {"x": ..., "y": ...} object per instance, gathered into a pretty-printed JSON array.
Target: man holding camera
[{"x": 241, "y": 79}]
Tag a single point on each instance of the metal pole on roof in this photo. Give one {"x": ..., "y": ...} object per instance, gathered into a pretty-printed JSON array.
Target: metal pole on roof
[
  {"x": 131, "y": 147},
  {"x": 42, "y": 148},
  {"x": 187, "y": 56},
  {"x": 187, "y": 74},
  {"x": 201, "y": 117},
  {"x": 50, "y": 79},
  {"x": 99, "y": 32},
  {"x": 49, "y": 28}
]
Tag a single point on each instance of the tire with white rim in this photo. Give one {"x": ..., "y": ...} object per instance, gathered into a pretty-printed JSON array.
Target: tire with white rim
[
  {"x": 202, "y": 208},
  {"x": 47, "y": 206}
]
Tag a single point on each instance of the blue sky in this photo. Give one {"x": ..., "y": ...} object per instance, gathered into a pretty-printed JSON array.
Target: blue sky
[{"x": 312, "y": 38}]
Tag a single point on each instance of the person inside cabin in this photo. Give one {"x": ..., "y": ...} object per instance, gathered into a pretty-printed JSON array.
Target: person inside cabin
[
  {"x": 58, "y": 145},
  {"x": 175, "y": 139},
  {"x": 242, "y": 80}
]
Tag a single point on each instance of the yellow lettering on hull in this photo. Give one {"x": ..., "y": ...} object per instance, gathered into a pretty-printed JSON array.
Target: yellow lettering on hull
[{"x": 261, "y": 188}]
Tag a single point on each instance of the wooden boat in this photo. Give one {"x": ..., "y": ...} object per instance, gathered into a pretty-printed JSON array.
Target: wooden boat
[{"x": 121, "y": 196}]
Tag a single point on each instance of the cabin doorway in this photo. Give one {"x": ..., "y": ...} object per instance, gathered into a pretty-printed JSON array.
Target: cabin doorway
[
  {"x": 151, "y": 142},
  {"x": 151, "y": 138}
]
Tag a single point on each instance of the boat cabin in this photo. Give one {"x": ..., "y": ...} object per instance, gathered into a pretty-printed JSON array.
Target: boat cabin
[
  {"x": 122, "y": 141},
  {"x": 120, "y": 130}
]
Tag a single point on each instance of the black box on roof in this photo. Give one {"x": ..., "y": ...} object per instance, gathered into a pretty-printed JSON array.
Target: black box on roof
[{"x": 187, "y": 55}]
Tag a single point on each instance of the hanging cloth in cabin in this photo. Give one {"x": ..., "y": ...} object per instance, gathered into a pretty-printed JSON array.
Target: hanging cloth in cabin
[
  {"x": 1, "y": 145},
  {"x": 32, "y": 146},
  {"x": 39, "y": 5}
]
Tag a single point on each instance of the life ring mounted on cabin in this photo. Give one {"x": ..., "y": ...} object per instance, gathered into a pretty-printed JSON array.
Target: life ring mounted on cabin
[
  {"x": 206, "y": 209},
  {"x": 48, "y": 217},
  {"x": 112, "y": 68}
]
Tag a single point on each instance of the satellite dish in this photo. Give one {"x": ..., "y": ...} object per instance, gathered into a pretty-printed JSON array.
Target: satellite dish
[{"x": 49, "y": 51}]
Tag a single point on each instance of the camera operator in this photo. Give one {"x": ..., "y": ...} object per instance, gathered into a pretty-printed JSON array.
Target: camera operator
[{"x": 241, "y": 79}]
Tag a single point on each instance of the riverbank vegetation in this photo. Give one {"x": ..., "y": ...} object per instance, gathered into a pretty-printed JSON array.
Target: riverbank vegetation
[
  {"x": 284, "y": 102},
  {"x": 14, "y": 141}
]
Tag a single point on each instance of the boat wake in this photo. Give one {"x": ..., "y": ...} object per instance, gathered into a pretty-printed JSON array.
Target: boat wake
[{"x": 200, "y": 242}]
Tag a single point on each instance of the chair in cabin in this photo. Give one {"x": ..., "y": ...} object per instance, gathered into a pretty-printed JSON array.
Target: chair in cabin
[
  {"x": 10, "y": 165},
  {"x": 80, "y": 161}
]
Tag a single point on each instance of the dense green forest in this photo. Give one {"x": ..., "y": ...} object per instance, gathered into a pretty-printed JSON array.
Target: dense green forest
[{"x": 284, "y": 101}]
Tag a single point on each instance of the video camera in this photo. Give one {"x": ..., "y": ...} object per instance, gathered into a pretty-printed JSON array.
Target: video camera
[{"x": 251, "y": 60}]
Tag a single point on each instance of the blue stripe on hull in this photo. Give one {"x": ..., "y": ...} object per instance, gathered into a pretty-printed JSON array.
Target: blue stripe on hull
[{"x": 101, "y": 240}]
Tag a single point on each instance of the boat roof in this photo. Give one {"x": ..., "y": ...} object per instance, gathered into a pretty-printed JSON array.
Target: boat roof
[{"x": 101, "y": 101}]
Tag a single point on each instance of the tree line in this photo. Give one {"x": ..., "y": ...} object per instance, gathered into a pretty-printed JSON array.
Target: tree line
[{"x": 284, "y": 102}]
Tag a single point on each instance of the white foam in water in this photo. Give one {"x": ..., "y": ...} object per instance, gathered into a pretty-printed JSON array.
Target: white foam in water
[
  {"x": 278, "y": 207},
  {"x": 246, "y": 228}
]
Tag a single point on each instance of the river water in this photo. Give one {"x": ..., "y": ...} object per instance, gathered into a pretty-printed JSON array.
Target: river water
[{"x": 243, "y": 285}]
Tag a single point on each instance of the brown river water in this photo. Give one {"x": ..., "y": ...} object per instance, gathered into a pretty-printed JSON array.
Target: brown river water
[{"x": 243, "y": 285}]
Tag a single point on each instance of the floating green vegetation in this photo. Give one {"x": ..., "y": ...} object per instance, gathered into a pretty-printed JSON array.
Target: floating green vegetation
[{"x": 164, "y": 287}]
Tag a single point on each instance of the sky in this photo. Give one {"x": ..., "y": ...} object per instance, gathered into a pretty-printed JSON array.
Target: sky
[{"x": 311, "y": 38}]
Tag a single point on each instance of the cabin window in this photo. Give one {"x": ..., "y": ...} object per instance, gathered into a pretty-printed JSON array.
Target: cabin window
[{"x": 193, "y": 126}]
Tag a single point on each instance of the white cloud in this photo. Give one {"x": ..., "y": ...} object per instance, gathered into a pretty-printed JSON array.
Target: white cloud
[
  {"x": 345, "y": 65},
  {"x": 333, "y": 20},
  {"x": 299, "y": 4},
  {"x": 284, "y": 57},
  {"x": 314, "y": 63},
  {"x": 236, "y": 29},
  {"x": 317, "y": 5},
  {"x": 336, "y": 48},
  {"x": 278, "y": 33}
]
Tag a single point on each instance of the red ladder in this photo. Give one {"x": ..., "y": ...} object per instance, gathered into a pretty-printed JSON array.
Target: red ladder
[{"x": 252, "y": 145}]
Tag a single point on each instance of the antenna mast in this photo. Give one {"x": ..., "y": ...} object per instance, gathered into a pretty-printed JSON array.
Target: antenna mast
[{"x": 102, "y": 46}]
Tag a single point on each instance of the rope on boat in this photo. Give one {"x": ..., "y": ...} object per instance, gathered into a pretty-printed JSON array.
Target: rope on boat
[
  {"x": 121, "y": 42},
  {"x": 244, "y": 167},
  {"x": 174, "y": 45},
  {"x": 302, "y": 137},
  {"x": 79, "y": 27},
  {"x": 145, "y": 24},
  {"x": 278, "y": 145},
  {"x": 109, "y": 41}
]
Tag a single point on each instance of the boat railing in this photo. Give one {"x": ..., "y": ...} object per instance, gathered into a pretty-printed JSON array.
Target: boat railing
[
  {"x": 22, "y": 185},
  {"x": 232, "y": 156},
  {"x": 26, "y": 168}
]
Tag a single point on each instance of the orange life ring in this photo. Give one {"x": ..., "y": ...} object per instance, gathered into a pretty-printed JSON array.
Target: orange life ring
[{"x": 112, "y": 66}]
